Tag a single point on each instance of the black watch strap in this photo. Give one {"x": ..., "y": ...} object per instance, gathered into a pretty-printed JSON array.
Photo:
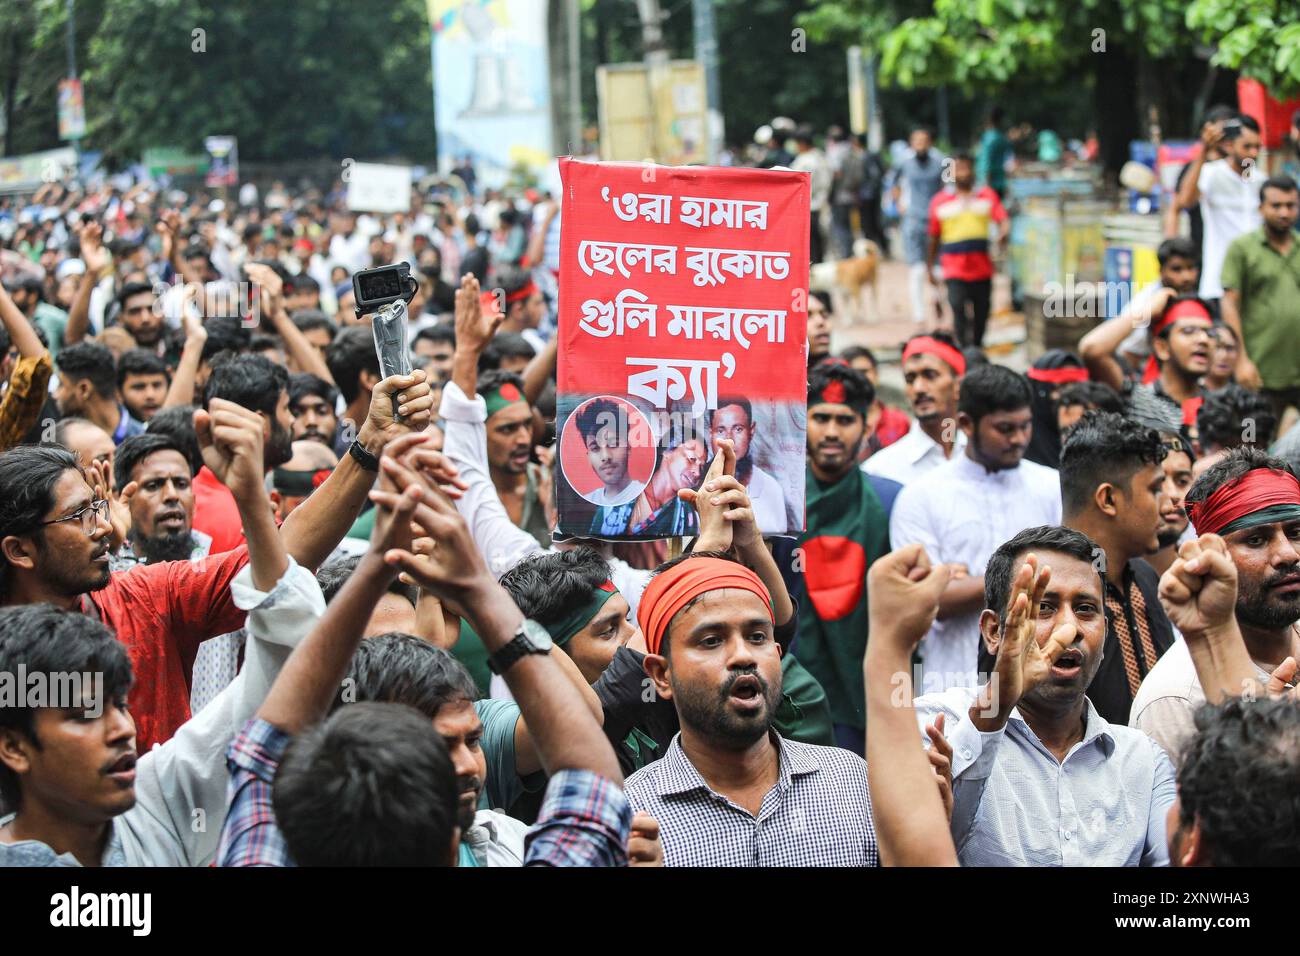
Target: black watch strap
[{"x": 366, "y": 460}]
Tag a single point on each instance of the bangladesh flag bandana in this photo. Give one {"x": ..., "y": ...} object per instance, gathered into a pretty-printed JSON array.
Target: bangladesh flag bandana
[
  {"x": 848, "y": 529},
  {"x": 508, "y": 394}
]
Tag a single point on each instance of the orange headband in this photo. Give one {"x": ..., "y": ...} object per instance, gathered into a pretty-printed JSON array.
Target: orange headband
[{"x": 669, "y": 592}]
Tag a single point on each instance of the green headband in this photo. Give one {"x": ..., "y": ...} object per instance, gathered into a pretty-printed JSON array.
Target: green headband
[
  {"x": 505, "y": 396},
  {"x": 1269, "y": 515},
  {"x": 563, "y": 630}
]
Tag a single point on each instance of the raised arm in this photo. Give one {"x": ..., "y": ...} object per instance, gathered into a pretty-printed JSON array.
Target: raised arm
[
  {"x": 540, "y": 369},
  {"x": 96, "y": 258},
  {"x": 305, "y": 355},
  {"x": 181, "y": 390},
  {"x": 1099, "y": 346},
  {"x": 911, "y": 825}
]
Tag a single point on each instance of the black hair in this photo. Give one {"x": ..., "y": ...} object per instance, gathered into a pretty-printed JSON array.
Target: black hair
[
  {"x": 398, "y": 668},
  {"x": 92, "y": 361},
  {"x": 139, "y": 362},
  {"x": 1000, "y": 572},
  {"x": 130, "y": 289},
  {"x": 725, "y": 400},
  {"x": 505, "y": 345},
  {"x": 1179, "y": 247},
  {"x": 1226, "y": 412},
  {"x": 136, "y": 448},
  {"x": 945, "y": 337},
  {"x": 1232, "y": 466},
  {"x": 963, "y": 157},
  {"x": 177, "y": 423},
  {"x": 442, "y": 332},
  {"x": 1283, "y": 184},
  {"x": 1238, "y": 779},
  {"x": 253, "y": 382},
  {"x": 973, "y": 354},
  {"x": 1248, "y": 122},
  {"x": 857, "y": 352},
  {"x": 226, "y": 333},
  {"x": 547, "y": 586},
  {"x": 1098, "y": 395},
  {"x": 303, "y": 384},
  {"x": 301, "y": 283},
  {"x": 261, "y": 342},
  {"x": 1104, "y": 447},
  {"x": 824, "y": 298},
  {"x": 48, "y": 640},
  {"x": 512, "y": 279},
  {"x": 351, "y": 353},
  {"x": 308, "y": 320},
  {"x": 599, "y": 414},
  {"x": 371, "y": 786},
  {"x": 992, "y": 388},
  {"x": 858, "y": 389},
  {"x": 334, "y": 574}
]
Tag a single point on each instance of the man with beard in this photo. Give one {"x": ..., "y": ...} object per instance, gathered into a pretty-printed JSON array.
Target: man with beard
[
  {"x": 259, "y": 385},
  {"x": 1252, "y": 501},
  {"x": 932, "y": 366},
  {"x": 961, "y": 511},
  {"x": 312, "y": 401},
  {"x": 510, "y": 448},
  {"x": 733, "y": 420},
  {"x": 825, "y": 568},
  {"x": 731, "y": 791},
  {"x": 1113, "y": 490},
  {"x": 1039, "y": 777},
  {"x": 161, "y": 504}
]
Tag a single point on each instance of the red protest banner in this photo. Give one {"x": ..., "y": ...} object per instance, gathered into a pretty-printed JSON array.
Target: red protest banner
[{"x": 682, "y": 320}]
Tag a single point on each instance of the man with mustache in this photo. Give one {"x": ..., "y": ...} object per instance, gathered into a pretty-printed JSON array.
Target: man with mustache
[
  {"x": 932, "y": 368},
  {"x": 1113, "y": 490},
  {"x": 161, "y": 505},
  {"x": 1039, "y": 777},
  {"x": 312, "y": 401},
  {"x": 825, "y": 568},
  {"x": 1252, "y": 501},
  {"x": 961, "y": 511},
  {"x": 731, "y": 791},
  {"x": 733, "y": 420}
]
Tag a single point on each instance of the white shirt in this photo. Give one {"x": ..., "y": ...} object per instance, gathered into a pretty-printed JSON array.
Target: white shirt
[
  {"x": 1014, "y": 804},
  {"x": 602, "y": 497},
  {"x": 912, "y": 456},
  {"x": 1229, "y": 208},
  {"x": 1166, "y": 703},
  {"x": 962, "y": 513},
  {"x": 768, "y": 501}
]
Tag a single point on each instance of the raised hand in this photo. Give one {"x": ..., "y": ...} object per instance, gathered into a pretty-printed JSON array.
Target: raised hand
[
  {"x": 100, "y": 476},
  {"x": 473, "y": 329},
  {"x": 723, "y": 504},
  {"x": 940, "y": 754},
  {"x": 93, "y": 252},
  {"x": 230, "y": 438},
  {"x": 903, "y": 591},
  {"x": 1199, "y": 591},
  {"x": 408, "y": 396},
  {"x": 269, "y": 283},
  {"x": 1023, "y": 663}
]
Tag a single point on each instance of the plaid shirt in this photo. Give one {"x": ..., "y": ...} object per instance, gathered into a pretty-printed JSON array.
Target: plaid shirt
[
  {"x": 584, "y": 819},
  {"x": 818, "y": 814},
  {"x": 250, "y": 835}
]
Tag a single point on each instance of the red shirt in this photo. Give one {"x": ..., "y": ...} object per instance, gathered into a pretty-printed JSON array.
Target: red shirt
[
  {"x": 892, "y": 425},
  {"x": 162, "y": 612},
  {"x": 215, "y": 512},
  {"x": 961, "y": 221}
]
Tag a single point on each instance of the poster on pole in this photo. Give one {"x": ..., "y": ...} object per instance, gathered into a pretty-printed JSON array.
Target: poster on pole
[
  {"x": 223, "y": 161},
  {"x": 72, "y": 110},
  {"x": 683, "y": 321},
  {"x": 376, "y": 187}
]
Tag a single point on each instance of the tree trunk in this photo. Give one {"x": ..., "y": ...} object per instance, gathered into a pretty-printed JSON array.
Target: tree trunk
[{"x": 1116, "y": 106}]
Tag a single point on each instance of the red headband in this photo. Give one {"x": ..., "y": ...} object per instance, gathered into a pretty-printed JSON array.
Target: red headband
[
  {"x": 925, "y": 345},
  {"x": 1255, "y": 490},
  {"x": 1186, "y": 309},
  {"x": 669, "y": 592},
  {"x": 523, "y": 293},
  {"x": 1058, "y": 376}
]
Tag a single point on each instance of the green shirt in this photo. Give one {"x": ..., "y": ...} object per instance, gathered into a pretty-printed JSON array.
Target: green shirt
[{"x": 1268, "y": 291}]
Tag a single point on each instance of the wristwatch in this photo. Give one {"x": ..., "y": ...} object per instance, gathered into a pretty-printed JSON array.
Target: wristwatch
[
  {"x": 531, "y": 638},
  {"x": 364, "y": 458}
]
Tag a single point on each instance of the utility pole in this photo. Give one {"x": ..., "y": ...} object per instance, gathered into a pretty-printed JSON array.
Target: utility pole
[
  {"x": 706, "y": 52},
  {"x": 656, "y": 61}
]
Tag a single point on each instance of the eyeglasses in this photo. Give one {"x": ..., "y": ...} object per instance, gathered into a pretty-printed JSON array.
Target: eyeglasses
[{"x": 88, "y": 516}]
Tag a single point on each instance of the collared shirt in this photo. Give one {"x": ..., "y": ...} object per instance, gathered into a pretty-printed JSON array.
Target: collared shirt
[
  {"x": 1014, "y": 804},
  {"x": 912, "y": 456},
  {"x": 1268, "y": 289},
  {"x": 1229, "y": 207},
  {"x": 817, "y": 814},
  {"x": 1138, "y": 632},
  {"x": 126, "y": 426},
  {"x": 584, "y": 821},
  {"x": 768, "y": 502},
  {"x": 962, "y": 513}
]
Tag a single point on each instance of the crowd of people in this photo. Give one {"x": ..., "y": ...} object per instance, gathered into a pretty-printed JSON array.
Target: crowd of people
[{"x": 260, "y": 605}]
